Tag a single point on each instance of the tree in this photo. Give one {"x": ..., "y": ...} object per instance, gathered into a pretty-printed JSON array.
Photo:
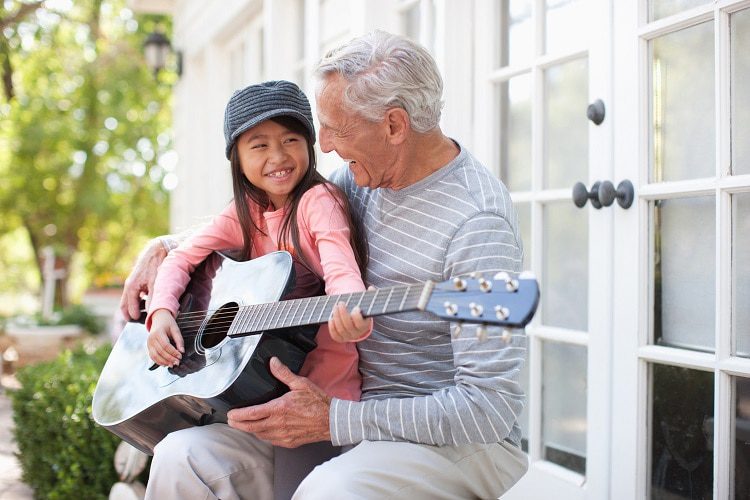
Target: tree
[{"x": 85, "y": 148}]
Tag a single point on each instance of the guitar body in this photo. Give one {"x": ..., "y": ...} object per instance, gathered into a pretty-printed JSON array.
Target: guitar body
[{"x": 142, "y": 404}]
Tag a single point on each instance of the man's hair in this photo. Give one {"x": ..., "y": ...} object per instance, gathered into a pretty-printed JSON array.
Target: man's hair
[{"x": 387, "y": 71}]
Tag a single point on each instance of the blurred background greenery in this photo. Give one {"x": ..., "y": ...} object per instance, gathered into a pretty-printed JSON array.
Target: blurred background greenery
[{"x": 86, "y": 158}]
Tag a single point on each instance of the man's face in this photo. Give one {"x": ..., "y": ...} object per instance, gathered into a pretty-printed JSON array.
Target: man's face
[{"x": 359, "y": 141}]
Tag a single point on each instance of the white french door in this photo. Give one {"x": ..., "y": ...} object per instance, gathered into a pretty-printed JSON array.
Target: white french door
[
  {"x": 551, "y": 60},
  {"x": 682, "y": 321},
  {"x": 638, "y": 378}
]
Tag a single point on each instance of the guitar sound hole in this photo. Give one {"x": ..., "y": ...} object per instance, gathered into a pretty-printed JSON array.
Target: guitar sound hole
[{"x": 217, "y": 327}]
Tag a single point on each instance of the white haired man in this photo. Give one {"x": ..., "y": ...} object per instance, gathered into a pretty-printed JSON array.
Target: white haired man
[{"x": 438, "y": 415}]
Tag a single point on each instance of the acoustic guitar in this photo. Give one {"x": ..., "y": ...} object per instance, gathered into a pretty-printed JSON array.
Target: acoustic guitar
[{"x": 235, "y": 316}]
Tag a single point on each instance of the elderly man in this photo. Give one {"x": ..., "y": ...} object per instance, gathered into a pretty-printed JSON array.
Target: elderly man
[{"x": 438, "y": 415}]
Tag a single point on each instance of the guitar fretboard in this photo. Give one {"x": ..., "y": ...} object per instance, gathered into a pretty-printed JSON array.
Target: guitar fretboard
[{"x": 315, "y": 310}]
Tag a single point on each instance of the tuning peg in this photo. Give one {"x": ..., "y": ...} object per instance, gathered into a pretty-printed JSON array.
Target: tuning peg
[
  {"x": 476, "y": 309},
  {"x": 485, "y": 285},
  {"x": 459, "y": 283},
  {"x": 482, "y": 333},
  {"x": 474, "y": 275},
  {"x": 506, "y": 336},
  {"x": 450, "y": 308},
  {"x": 510, "y": 284},
  {"x": 457, "y": 331},
  {"x": 502, "y": 312}
]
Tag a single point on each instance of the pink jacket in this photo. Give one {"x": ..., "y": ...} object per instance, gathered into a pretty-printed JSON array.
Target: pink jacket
[{"x": 324, "y": 238}]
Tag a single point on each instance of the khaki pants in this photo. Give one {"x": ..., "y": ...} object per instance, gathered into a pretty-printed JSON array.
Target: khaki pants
[
  {"x": 211, "y": 462},
  {"x": 385, "y": 469},
  {"x": 217, "y": 461}
]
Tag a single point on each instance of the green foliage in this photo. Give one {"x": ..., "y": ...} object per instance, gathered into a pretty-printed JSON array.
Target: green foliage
[
  {"x": 85, "y": 143},
  {"x": 63, "y": 453},
  {"x": 75, "y": 315}
]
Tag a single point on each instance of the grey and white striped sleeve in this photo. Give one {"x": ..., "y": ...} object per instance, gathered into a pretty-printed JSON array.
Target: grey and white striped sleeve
[{"x": 485, "y": 399}]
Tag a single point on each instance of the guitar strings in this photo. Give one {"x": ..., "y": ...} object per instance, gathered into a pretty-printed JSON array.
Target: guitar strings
[
  {"x": 226, "y": 319},
  {"x": 220, "y": 322},
  {"x": 196, "y": 318},
  {"x": 366, "y": 294}
]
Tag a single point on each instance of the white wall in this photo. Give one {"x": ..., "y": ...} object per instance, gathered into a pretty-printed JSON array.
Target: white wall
[{"x": 283, "y": 39}]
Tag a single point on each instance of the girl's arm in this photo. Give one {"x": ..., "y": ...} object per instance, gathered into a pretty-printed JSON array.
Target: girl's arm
[
  {"x": 222, "y": 233},
  {"x": 326, "y": 224},
  {"x": 165, "y": 341}
]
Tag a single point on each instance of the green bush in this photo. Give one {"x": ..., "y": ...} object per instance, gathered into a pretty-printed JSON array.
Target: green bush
[
  {"x": 75, "y": 315},
  {"x": 63, "y": 453}
]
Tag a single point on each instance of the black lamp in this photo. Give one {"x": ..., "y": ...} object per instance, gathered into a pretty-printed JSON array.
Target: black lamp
[{"x": 156, "y": 48}]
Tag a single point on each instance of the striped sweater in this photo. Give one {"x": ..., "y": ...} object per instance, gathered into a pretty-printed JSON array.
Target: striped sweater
[{"x": 419, "y": 383}]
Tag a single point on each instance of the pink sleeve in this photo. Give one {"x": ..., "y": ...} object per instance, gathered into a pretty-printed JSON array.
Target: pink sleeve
[
  {"x": 333, "y": 366},
  {"x": 222, "y": 233},
  {"x": 325, "y": 222}
]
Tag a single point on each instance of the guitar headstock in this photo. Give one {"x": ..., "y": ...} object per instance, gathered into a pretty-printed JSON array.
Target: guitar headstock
[{"x": 500, "y": 301}]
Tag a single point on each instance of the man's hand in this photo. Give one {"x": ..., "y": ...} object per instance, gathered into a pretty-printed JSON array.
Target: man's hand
[
  {"x": 165, "y": 343},
  {"x": 141, "y": 279},
  {"x": 298, "y": 417}
]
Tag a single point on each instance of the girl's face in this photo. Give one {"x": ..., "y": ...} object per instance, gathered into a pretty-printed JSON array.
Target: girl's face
[{"x": 274, "y": 159}]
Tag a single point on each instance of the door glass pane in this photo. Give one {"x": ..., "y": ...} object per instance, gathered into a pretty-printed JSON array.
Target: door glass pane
[
  {"x": 515, "y": 130},
  {"x": 565, "y": 124},
  {"x": 565, "y": 25},
  {"x": 741, "y": 479},
  {"x": 740, "y": 91},
  {"x": 564, "y": 405},
  {"x": 682, "y": 105},
  {"x": 663, "y": 8},
  {"x": 681, "y": 433},
  {"x": 524, "y": 223},
  {"x": 565, "y": 266},
  {"x": 741, "y": 273},
  {"x": 683, "y": 273},
  {"x": 517, "y": 33}
]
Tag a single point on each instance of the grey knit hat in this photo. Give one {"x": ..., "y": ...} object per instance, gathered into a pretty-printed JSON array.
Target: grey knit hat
[{"x": 257, "y": 103}]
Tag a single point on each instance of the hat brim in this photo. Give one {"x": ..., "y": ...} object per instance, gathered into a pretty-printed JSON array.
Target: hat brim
[{"x": 255, "y": 120}]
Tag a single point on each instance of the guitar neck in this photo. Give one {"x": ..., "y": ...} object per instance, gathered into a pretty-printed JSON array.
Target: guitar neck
[{"x": 257, "y": 318}]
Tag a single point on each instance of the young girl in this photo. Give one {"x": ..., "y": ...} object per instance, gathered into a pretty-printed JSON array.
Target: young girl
[{"x": 281, "y": 202}]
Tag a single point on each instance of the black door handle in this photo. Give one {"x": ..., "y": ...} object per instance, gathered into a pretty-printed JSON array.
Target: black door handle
[
  {"x": 596, "y": 111},
  {"x": 581, "y": 195},
  {"x": 623, "y": 194}
]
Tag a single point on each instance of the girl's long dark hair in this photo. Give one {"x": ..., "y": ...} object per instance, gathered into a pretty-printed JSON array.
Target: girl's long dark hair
[{"x": 244, "y": 191}]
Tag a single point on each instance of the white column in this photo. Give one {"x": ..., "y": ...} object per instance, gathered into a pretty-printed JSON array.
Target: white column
[
  {"x": 485, "y": 104},
  {"x": 454, "y": 37},
  {"x": 282, "y": 31}
]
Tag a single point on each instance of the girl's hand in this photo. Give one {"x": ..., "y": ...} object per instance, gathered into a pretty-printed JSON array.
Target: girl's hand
[
  {"x": 160, "y": 349},
  {"x": 348, "y": 327}
]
